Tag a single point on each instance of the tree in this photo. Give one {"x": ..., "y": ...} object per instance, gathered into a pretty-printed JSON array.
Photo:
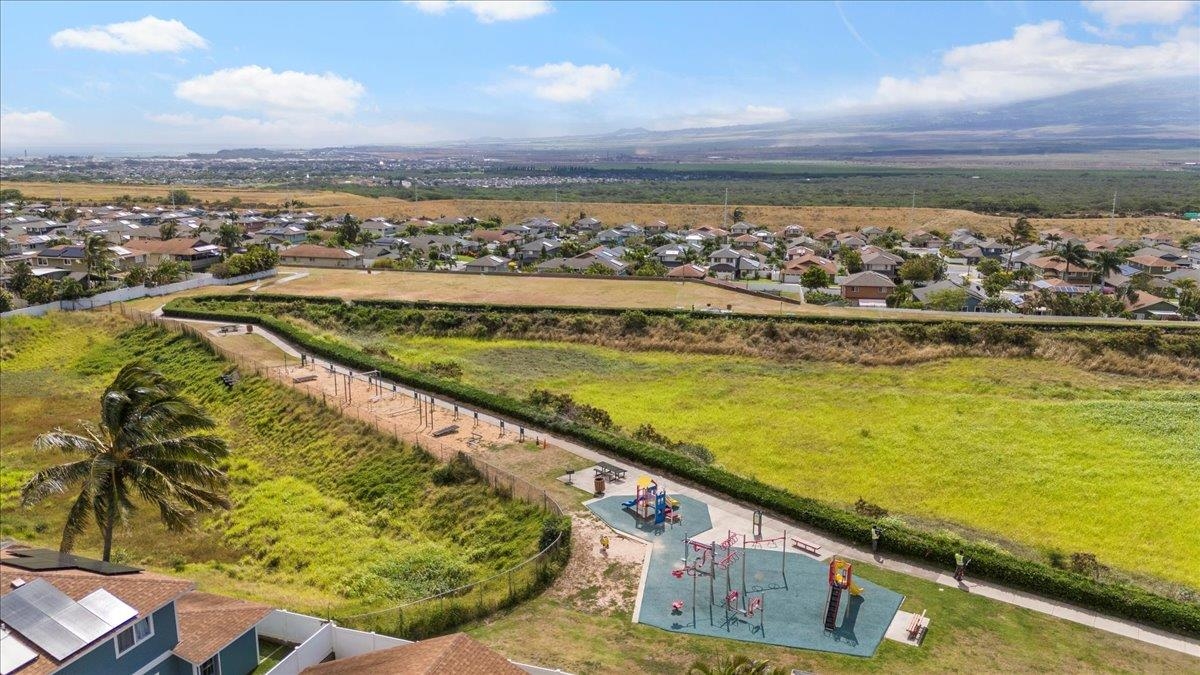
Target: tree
[
  {"x": 851, "y": 260},
  {"x": 996, "y": 282},
  {"x": 996, "y": 304},
  {"x": 177, "y": 197},
  {"x": 599, "y": 268},
  {"x": 168, "y": 229},
  {"x": 150, "y": 444},
  {"x": 348, "y": 232},
  {"x": 948, "y": 300},
  {"x": 39, "y": 291},
  {"x": 1072, "y": 253},
  {"x": 1107, "y": 262},
  {"x": 815, "y": 277},
  {"x": 736, "y": 665},
  {"x": 739, "y": 214},
  {"x": 97, "y": 257},
  {"x": 988, "y": 266},
  {"x": 21, "y": 276},
  {"x": 901, "y": 296},
  {"x": 136, "y": 276},
  {"x": 229, "y": 237},
  {"x": 922, "y": 268},
  {"x": 6, "y": 300},
  {"x": 70, "y": 289},
  {"x": 168, "y": 272}
]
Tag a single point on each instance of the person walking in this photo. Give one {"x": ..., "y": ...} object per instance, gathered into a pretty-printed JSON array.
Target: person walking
[
  {"x": 960, "y": 566},
  {"x": 875, "y": 535}
]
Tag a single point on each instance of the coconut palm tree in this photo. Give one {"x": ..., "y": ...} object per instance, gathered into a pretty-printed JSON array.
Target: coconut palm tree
[
  {"x": 1106, "y": 263},
  {"x": 736, "y": 665},
  {"x": 229, "y": 236},
  {"x": 149, "y": 444},
  {"x": 1072, "y": 253},
  {"x": 97, "y": 257}
]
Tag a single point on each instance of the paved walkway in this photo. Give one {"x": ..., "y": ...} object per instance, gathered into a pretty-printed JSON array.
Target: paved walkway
[{"x": 728, "y": 514}]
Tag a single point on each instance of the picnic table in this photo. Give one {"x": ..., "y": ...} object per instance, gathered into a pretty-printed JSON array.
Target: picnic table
[
  {"x": 610, "y": 471},
  {"x": 231, "y": 328}
]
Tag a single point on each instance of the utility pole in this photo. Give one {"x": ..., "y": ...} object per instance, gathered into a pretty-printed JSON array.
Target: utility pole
[
  {"x": 912, "y": 211},
  {"x": 725, "y": 212},
  {"x": 1112, "y": 217}
]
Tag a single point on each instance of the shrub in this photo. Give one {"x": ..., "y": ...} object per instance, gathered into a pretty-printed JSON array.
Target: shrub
[
  {"x": 455, "y": 472},
  {"x": 634, "y": 321}
]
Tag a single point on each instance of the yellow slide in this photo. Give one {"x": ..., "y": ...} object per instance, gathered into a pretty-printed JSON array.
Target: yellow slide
[{"x": 855, "y": 589}]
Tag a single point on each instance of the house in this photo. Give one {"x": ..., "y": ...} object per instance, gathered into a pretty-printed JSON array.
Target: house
[
  {"x": 193, "y": 251},
  {"x": 580, "y": 264},
  {"x": 1147, "y": 306},
  {"x": 67, "y": 614},
  {"x": 849, "y": 240},
  {"x": 288, "y": 234},
  {"x": 673, "y": 255},
  {"x": 993, "y": 249},
  {"x": 1053, "y": 266},
  {"x": 974, "y": 297},
  {"x": 71, "y": 257},
  {"x": 871, "y": 288},
  {"x": 380, "y": 227},
  {"x": 827, "y": 235},
  {"x": 588, "y": 224},
  {"x": 494, "y": 236},
  {"x": 727, "y": 263},
  {"x": 1155, "y": 238},
  {"x": 656, "y": 227},
  {"x": 795, "y": 268},
  {"x": 688, "y": 271},
  {"x": 537, "y": 250},
  {"x": 315, "y": 255},
  {"x": 793, "y": 231},
  {"x": 1153, "y": 265},
  {"x": 870, "y": 232},
  {"x": 746, "y": 242},
  {"x": 488, "y": 264},
  {"x": 455, "y": 654},
  {"x": 741, "y": 227},
  {"x": 875, "y": 259},
  {"x": 972, "y": 254}
]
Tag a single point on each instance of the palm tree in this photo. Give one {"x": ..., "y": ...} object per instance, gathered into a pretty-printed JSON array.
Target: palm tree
[
  {"x": 735, "y": 665},
  {"x": 97, "y": 257},
  {"x": 229, "y": 236},
  {"x": 1072, "y": 253},
  {"x": 146, "y": 445},
  {"x": 1106, "y": 263}
]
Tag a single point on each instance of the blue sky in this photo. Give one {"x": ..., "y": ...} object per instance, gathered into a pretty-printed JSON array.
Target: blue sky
[{"x": 180, "y": 76}]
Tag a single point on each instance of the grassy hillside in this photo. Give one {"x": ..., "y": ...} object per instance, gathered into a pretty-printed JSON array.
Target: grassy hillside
[{"x": 329, "y": 516}]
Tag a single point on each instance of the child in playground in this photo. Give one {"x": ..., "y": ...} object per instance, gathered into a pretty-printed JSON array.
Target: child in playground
[{"x": 604, "y": 544}]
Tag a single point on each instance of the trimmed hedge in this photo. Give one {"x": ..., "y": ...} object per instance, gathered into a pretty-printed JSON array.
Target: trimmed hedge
[{"x": 1118, "y": 599}]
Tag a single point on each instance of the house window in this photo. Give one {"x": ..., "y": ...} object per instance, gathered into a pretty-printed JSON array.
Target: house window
[
  {"x": 210, "y": 667},
  {"x": 135, "y": 635}
]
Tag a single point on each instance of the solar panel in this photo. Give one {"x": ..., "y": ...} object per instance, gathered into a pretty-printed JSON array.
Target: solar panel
[
  {"x": 13, "y": 654},
  {"x": 41, "y": 559},
  {"x": 22, "y": 611},
  {"x": 48, "y": 618},
  {"x": 108, "y": 607}
]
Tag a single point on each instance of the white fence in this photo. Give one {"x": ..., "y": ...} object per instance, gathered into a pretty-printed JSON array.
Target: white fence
[
  {"x": 316, "y": 639},
  {"x": 135, "y": 292}
]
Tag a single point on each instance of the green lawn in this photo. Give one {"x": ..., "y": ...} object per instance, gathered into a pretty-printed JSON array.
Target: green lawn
[
  {"x": 1038, "y": 452},
  {"x": 328, "y": 517}
]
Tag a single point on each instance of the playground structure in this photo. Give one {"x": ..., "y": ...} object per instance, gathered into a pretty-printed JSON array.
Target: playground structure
[
  {"x": 738, "y": 604},
  {"x": 841, "y": 577},
  {"x": 651, "y": 504}
]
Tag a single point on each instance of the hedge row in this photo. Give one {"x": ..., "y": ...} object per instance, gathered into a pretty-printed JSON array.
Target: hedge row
[
  {"x": 663, "y": 311},
  {"x": 1118, "y": 599}
]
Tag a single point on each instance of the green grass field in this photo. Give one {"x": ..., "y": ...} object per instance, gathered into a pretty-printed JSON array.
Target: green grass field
[
  {"x": 328, "y": 515},
  {"x": 1038, "y": 453}
]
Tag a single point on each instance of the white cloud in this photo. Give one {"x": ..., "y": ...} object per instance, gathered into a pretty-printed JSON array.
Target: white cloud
[
  {"x": 566, "y": 82},
  {"x": 751, "y": 114},
  {"x": 1039, "y": 60},
  {"x": 148, "y": 34},
  {"x": 29, "y": 127},
  {"x": 1124, "y": 13},
  {"x": 282, "y": 94},
  {"x": 487, "y": 11}
]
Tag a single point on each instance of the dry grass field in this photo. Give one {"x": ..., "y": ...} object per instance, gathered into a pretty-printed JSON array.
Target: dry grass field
[
  {"x": 511, "y": 290},
  {"x": 678, "y": 215}
]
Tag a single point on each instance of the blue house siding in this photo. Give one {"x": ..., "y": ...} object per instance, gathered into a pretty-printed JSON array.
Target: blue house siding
[
  {"x": 241, "y": 656},
  {"x": 102, "y": 659}
]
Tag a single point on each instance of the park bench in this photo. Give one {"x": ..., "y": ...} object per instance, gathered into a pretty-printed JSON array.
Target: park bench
[
  {"x": 232, "y": 328},
  {"x": 806, "y": 546},
  {"x": 916, "y": 627},
  {"x": 229, "y": 379},
  {"x": 610, "y": 471},
  {"x": 300, "y": 379},
  {"x": 446, "y": 431}
]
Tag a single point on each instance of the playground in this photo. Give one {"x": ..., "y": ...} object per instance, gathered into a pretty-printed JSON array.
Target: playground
[{"x": 741, "y": 585}]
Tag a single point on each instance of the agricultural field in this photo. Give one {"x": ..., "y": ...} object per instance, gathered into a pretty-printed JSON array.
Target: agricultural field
[
  {"x": 329, "y": 517},
  {"x": 613, "y": 212},
  {"x": 1041, "y": 455}
]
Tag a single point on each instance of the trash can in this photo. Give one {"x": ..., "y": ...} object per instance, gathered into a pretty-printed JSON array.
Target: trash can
[
  {"x": 249, "y": 328},
  {"x": 599, "y": 485}
]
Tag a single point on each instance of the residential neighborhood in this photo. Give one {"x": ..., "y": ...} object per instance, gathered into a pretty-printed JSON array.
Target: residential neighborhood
[{"x": 1054, "y": 272}]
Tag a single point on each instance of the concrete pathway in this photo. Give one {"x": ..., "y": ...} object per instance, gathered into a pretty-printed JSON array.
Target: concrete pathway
[{"x": 728, "y": 514}]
